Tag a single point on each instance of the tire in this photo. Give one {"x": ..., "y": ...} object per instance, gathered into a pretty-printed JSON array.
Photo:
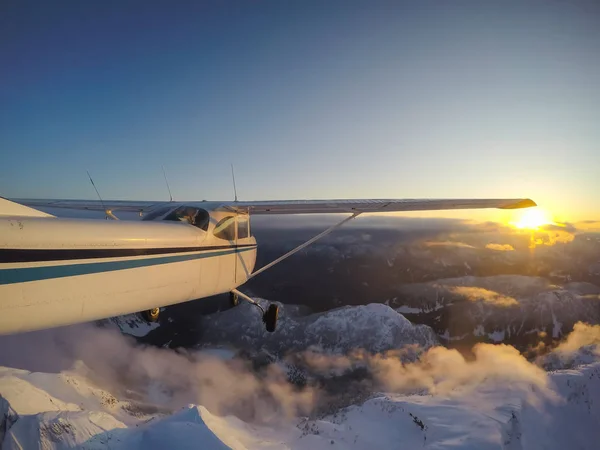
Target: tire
[
  {"x": 270, "y": 317},
  {"x": 151, "y": 315}
]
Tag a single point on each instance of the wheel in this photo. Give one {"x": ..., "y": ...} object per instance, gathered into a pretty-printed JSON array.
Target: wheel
[
  {"x": 151, "y": 315},
  {"x": 270, "y": 317},
  {"x": 234, "y": 300}
]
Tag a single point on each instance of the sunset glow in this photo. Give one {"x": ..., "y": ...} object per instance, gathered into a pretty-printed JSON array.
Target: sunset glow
[{"x": 532, "y": 219}]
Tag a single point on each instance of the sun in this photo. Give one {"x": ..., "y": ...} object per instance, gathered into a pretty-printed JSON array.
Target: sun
[{"x": 532, "y": 219}]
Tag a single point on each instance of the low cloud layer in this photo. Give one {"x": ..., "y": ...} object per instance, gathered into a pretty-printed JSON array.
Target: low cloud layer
[
  {"x": 233, "y": 386},
  {"x": 448, "y": 244},
  {"x": 581, "y": 346},
  {"x": 500, "y": 247},
  {"x": 167, "y": 378},
  {"x": 485, "y": 295},
  {"x": 442, "y": 371},
  {"x": 550, "y": 237},
  {"x": 582, "y": 335}
]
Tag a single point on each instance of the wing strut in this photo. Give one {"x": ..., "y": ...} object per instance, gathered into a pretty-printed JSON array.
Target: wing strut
[{"x": 306, "y": 244}]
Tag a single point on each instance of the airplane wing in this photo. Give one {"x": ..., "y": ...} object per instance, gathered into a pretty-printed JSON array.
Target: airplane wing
[
  {"x": 293, "y": 206},
  {"x": 92, "y": 205},
  {"x": 373, "y": 205}
]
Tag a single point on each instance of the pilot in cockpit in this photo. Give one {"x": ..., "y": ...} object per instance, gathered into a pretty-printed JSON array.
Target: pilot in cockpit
[{"x": 188, "y": 215}]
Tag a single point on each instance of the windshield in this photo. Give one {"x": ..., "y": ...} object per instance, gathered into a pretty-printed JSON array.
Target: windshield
[{"x": 225, "y": 228}]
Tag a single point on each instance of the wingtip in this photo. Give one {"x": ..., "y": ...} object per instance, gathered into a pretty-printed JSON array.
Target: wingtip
[{"x": 525, "y": 203}]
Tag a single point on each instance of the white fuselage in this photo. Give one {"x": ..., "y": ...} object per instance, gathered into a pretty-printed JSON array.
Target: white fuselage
[{"x": 55, "y": 272}]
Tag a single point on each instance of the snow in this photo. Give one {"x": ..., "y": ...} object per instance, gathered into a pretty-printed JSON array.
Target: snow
[
  {"x": 223, "y": 353},
  {"x": 377, "y": 326},
  {"x": 571, "y": 422},
  {"x": 556, "y": 325},
  {"x": 497, "y": 400},
  {"x": 497, "y": 336},
  {"x": 408, "y": 310},
  {"x": 485, "y": 419},
  {"x": 26, "y": 398},
  {"x": 513, "y": 303},
  {"x": 69, "y": 429},
  {"x": 374, "y": 327},
  {"x": 396, "y": 421},
  {"x": 425, "y": 308},
  {"x": 131, "y": 324}
]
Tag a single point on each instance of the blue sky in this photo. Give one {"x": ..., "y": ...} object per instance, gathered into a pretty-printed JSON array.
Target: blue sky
[{"x": 336, "y": 99}]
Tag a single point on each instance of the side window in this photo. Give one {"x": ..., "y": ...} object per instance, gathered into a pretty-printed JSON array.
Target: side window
[
  {"x": 199, "y": 218},
  {"x": 202, "y": 219},
  {"x": 243, "y": 229},
  {"x": 177, "y": 216},
  {"x": 225, "y": 229}
]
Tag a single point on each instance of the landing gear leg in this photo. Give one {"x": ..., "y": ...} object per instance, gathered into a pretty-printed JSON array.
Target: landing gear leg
[
  {"x": 234, "y": 299},
  {"x": 269, "y": 317}
]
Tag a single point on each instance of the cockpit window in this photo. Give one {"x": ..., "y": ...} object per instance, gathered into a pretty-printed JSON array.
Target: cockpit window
[
  {"x": 202, "y": 219},
  {"x": 243, "y": 226},
  {"x": 225, "y": 228},
  {"x": 194, "y": 216}
]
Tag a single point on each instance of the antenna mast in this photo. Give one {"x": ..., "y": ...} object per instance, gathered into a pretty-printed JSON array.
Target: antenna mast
[
  {"x": 108, "y": 212},
  {"x": 167, "y": 181},
  {"x": 234, "y": 188}
]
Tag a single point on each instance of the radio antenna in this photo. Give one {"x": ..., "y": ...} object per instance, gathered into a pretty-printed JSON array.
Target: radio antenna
[
  {"x": 167, "y": 181},
  {"x": 107, "y": 212},
  {"x": 234, "y": 188}
]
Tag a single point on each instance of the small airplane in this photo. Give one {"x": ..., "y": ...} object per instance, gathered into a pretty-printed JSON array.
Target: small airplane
[{"x": 61, "y": 271}]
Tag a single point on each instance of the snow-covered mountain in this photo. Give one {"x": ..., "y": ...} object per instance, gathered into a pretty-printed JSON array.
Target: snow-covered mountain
[
  {"x": 549, "y": 411},
  {"x": 118, "y": 394},
  {"x": 514, "y": 309},
  {"x": 406, "y": 265},
  {"x": 374, "y": 327}
]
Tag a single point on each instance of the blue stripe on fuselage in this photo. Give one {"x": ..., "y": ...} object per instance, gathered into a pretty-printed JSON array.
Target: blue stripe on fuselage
[{"x": 25, "y": 274}]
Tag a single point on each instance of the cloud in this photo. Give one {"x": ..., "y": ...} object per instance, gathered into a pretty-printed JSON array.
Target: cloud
[
  {"x": 446, "y": 372},
  {"x": 565, "y": 226},
  {"x": 480, "y": 294},
  {"x": 442, "y": 371},
  {"x": 548, "y": 237},
  {"x": 500, "y": 247},
  {"x": 588, "y": 226},
  {"x": 581, "y": 346},
  {"x": 582, "y": 335},
  {"x": 447, "y": 244},
  {"x": 167, "y": 378},
  {"x": 172, "y": 379}
]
